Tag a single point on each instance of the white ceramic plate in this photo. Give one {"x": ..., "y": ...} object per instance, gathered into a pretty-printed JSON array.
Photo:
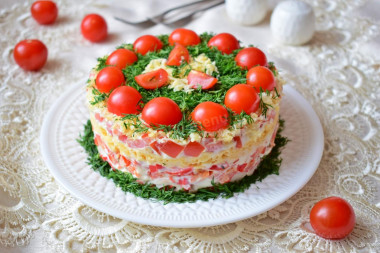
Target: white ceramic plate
[{"x": 67, "y": 162}]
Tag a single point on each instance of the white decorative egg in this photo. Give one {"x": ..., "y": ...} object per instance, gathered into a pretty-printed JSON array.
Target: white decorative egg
[
  {"x": 246, "y": 12},
  {"x": 293, "y": 22}
]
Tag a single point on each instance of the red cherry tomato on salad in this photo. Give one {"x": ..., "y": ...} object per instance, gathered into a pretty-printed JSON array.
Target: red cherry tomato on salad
[
  {"x": 211, "y": 116},
  {"x": 178, "y": 55},
  {"x": 197, "y": 78},
  {"x": 249, "y": 57},
  {"x": 242, "y": 97},
  {"x": 147, "y": 43},
  {"x": 121, "y": 58},
  {"x": 185, "y": 37},
  {"x": 109, "y": 78},
  {"x": 94, "y": 28},
  {"x": 332, "y": 218},
  {"x": 261, "y": 77},
  {"x": 124, "y": 100},
  {"x": 153, "y": 80},
  {"x": 30, "y": 54},
  {"x": 224, "y": 42},
  {"x": 44, "y": 12},
  {"x": 161, "y": 111}
]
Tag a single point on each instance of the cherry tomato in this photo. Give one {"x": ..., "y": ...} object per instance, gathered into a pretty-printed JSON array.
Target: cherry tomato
[
  {"x": 44, "y": 12},
  {"x": 30, "y": 54},
  {"x": 121, "y": 58},
  {"x": 185, "y": 37},
  {"x": 332, "y": 218},
  {"x": 197, "y": 78},
  {"x": 211, "y": 116},
  {"x": 242, "y": 97},
  {"x": 261, "y": 77},
  {"x": 109, "y": 78},
  {"x": 250, "y": 57},
  {"x": 94, "y": 28},
  {"x": 224, "y": 42},
  {"x": 178, "y": 55},
  {"x": 153, "y": 80},
  {"x": 147, "y": 43},
  {"x": 124, "y": 100},
  {"x": 161, "y": 111}
]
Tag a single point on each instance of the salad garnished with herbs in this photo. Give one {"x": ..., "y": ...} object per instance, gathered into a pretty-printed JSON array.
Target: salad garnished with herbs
[{"x": 185, "y": 84}]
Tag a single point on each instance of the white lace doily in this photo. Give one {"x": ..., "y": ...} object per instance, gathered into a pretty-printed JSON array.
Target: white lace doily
[{"x": 336, "y": 75}]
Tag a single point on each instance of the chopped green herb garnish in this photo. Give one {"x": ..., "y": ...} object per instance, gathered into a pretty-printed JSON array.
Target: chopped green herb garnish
[
  {"x": 270, "y": 164},
  {"x": 101, "y": 63},
  {"x": 272, "y": 68},
  {"x": 263, "y": 106},
  {"x": 98, "y": 96}
]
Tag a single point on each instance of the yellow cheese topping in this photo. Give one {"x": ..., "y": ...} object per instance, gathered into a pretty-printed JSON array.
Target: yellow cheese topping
[{"x": 200, "y": 63}]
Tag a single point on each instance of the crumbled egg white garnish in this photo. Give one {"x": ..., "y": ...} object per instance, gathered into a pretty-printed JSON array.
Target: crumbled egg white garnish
[{"x": 200, "y": 63}]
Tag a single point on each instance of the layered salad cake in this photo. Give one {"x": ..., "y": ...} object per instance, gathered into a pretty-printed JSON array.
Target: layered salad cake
[{"x": 184, "y": 111}]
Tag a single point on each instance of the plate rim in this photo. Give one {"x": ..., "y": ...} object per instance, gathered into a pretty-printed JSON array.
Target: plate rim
[{"x": 45, "y": 144}]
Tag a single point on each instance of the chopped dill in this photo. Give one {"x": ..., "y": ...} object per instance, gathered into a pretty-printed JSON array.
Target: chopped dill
[
  {"x": 270, "y": 164},
  {"x": 98, "y": 96},
  {"x": 277, "y": 94},
  {"x": 263, "y": 106},
  {"x": 239, "y": 118},
  {"x": 272, "y": 68},
  {"x": 101, "y": 63}
]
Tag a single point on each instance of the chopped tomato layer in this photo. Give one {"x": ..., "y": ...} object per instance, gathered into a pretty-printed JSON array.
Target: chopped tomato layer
[
  {"x": 193, "y": 149},
  {"x": 197, "y": 78},
  {"x": 238, "y": 142},
  {"x": 154, "y": 146},
  {"x": 170, "y": 148}
]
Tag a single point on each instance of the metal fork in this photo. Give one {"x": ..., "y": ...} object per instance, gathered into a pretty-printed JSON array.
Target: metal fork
[{"x": 160, "y": 18}]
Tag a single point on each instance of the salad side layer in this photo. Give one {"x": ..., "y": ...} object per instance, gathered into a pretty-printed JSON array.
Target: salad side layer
[{"x": 270, "y": 164}]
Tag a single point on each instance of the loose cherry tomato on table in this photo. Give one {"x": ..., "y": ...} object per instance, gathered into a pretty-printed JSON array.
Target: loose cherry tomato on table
[
  {"x": 197, "y": 78},
  {"x": 178, "y": 55},
  {"x": 109, "y": 78},
  {"x": 30, "y": 54},
  {"x": 332, "y": 218},
  {"x": 161, "y": 111},
  {"x": 211, "y": 116},
  {"x": 44, "y": 12},
  {"x": 261, "y": 77},
  {"x": 242, "y": 97},
  {"x": 147, "y": 43},
  {"x": 124, "y": 100},
  {"x": 185, "y": 37},
  {"x": 153, "y": 80},
  {"x": 250, "y": 57},
  {"x": 121, "y": 58},
  {"x": 94, "y": 28},
  {"x": 224, "y": 42}
]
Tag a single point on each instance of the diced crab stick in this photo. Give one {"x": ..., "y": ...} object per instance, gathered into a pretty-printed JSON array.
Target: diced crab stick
[
  {"x": 211, "y": 147},
  {"x": 98, "y": 117},
  {"x": 179, "y": 172}
]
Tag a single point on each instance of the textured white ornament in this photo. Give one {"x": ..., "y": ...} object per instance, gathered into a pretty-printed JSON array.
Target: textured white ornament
[
  {"x": 246, "y": 12},
  {"x": 293, "y": 22}
]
